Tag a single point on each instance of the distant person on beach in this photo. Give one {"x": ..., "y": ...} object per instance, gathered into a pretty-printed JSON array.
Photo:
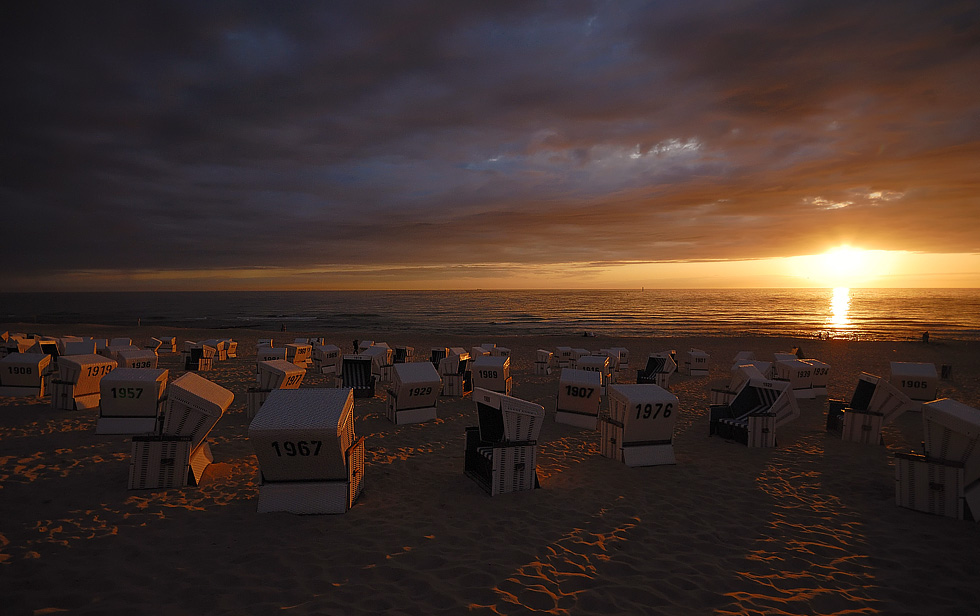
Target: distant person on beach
[
  {"x": 925, "y": 337},
  {"x": 282, "y": 327},
  {"x": 355, "y": 345}
]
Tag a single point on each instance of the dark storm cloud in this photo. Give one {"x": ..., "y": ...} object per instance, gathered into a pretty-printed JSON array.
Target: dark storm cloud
[{"x": 187, "y": 135}]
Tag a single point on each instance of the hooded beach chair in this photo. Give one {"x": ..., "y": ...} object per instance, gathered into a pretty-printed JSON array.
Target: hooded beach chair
[
  {"x": 753, "y": 416},
  {"x": 874, "y": 403},
  {"x": 25, "y": 374},
  {"x": 599, "y": 364},
  {"x": 946, "y": 479},
  {"x": 220, "y": 348},
  {"x": 543, "y": 362},
  {"x": 404, "y": 354},
  {"x": 77, "y": 385},
  {"x": 310, "y": 461},
  {"x": 139, "y": 358},
  {"x": 741, "y": 375},
  {"x": 78, "y": 347},
  {"x": 456, "y": 374},
  {"x": 820, "y": 376},
  {"x": 501, "y": 452},
  {"x": 563, "y": 357},
  {"x": 356, "y": 374},
  {"x": 199, "y": 357},
  {"x": 271, "y": 375},
  {"x": 660, "y": 366},
  {"x": 327, "y": 359},
  {"x": 918, "y": 381},
  {"x": 300, "y": 354},
  {"x": 638, "y": 428},
  {"x": 131, "y": 401},
  {"x": 412, "y": 396},
  {"x": 179, "y": 455},
  {"x": 694, "y": 363},
  {"x": 382, "y": 359},
  {"x": 579, "y": 394},
  {"x": 492, "y": 373},
  {"x": 798, "y": 374}
]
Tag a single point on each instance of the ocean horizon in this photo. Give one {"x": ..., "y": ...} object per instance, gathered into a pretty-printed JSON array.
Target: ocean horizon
[{"x": 854, "y": 314}]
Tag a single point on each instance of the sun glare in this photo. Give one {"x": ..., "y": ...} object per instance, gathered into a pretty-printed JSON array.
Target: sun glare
[{"x": 844, "y": 266}]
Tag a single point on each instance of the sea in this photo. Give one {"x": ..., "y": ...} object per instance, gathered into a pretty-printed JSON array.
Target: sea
[{"x": 855, "y": 314}]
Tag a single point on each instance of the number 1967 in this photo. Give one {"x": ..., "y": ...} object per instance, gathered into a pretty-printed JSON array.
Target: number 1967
[{"x": 300, "y": 448}]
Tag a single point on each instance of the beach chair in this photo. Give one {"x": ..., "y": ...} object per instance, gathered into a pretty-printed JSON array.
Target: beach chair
[
  {"x": 46, "y": 346},
  {"x": 220, "y": 348},
  {"x": 25, "y": 375},
  {"x": 437, "y": 354},
  {"x": 179, "y": 455},
  {"x": 355, "y": 372},
  {"x": 492, "y": 373},
  {"x": 543, "y": 362},
  {"x": 499, "y": 351},
  {"x": 741, "y": 375},
  {"x": 310, "y": 461},
  {"x": 382, "y": 360},
  {"x": 199, "y": 357},
  {"x": 754, "y": 414},
  {"x": 300, "y": 354},
  {"x": 131, "y": 401},
  {"x": 694, "y": 363},
  {"x": 946, "y": 479},
  {"x": 268, "y": 353},
  {"x": 404, "y": 354},
  {"x": 412, "y": 396},
  {"x": 638, "y": 428},
  {"x": 563, "y": 357},
  {"x": 579, "y": 393},
  {"x": 77, "y": 385},
  {"x": 620, "y": 360},
  {"x": 874, "y": 403},
  {"x": 231, "y": 346},
  {"x": 271, "y": 375},
  {"x": 327, "y": 359},
  {"x": 501, "y": 452},
  {"x": 457, "y": 377},
  {"x": 479, "y": 351},
  {"x": 153, "y": 345},
  {"x": 139, "y": 358},
  {"x": 577, "y": 354},
  {"x": 264, "y": 342},
  {"x": 168, "y": 345},
  {"x": 918, "y": 381},
  {"x": 660, "y": 366},
  {"x": 78, "y": 347},
  {"x": 820, "y": 376},
  {"x": 598, "y": 364},
  {"x": 798, "y": 374}
]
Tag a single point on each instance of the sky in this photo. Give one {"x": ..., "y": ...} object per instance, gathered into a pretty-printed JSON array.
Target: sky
[{"x": 513, "y": 144}]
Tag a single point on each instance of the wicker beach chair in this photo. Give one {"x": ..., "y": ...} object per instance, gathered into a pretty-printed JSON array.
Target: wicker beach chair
[
  {"x": 599, "y": 364},
  {"x": 77, "y": 384},
  {"x": 457, "y": 377},
  {"x": 544, "y": 360},
  {"x": 660, "y": 366},
  {"x": 874, "y": 403},
  {"x": 492, "y": 373},
  {"x": 356, "y": 374},
  {"x": 310, "y": 461},
  {"x": 412, "y": 396},
  {"x": 271, "y": 375},
  {"x": 638, "y": 428},
  {"x": 131, "y": 401},
  {"x": 798, "y": 374},
  {"x": 579, "y": 394},
  {"x": 694, "y": 363},
  {"x": 501, "y": 452},
  {"x": 918, "y": 381},
  {"x": 754, "y": 414}
]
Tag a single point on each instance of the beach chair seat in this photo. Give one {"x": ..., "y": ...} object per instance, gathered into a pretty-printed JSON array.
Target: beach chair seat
[
  {"x": 660, "y": 366},
  {"x": 77, "y": 384},
  {"x": 754, "y": 414},
  {"x": 413, "y": 393},
  {"x": 579, "y": 394},
  {"x": 874, "y": 403},
  {"x": 310, "y": 461},
  {"x": 543, "y": 362},
  {"x": 918, "y": 381},
  {"x": 404, "y": 354},
  {"x": 492, "y": 373},
  {"x": 158, "y": 461},
  {"x": 25, "y": 375},
  {"x": 501, "y": 452},
  {"x": 199, "y": 357},
  {"x": 131, "y": 401},
  {"x": 437, "y": 354},
  {"x": 356, "y": 374}
]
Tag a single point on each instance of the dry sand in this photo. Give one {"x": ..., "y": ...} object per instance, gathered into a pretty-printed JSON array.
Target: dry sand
[{"x": 810, "y": 527}]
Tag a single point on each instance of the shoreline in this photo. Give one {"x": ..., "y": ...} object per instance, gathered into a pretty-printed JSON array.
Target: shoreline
[{"x": 810, "y": 526}]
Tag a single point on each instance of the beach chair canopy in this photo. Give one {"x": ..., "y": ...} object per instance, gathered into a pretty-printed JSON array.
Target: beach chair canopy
[{"x": 505, "y": 418}]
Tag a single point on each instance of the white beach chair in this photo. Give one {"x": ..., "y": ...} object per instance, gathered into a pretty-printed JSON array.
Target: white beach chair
[
  {"x": 327, "y": 359},
  {"x": 918, "y": 381},
  {"x": 199, "y": 357},
  {"x": 231, "y": 347},
  {"x": 754, "y": 414},
  {"x": 578, "y": 353},
  {"x": 874, "y": 403},
  {"x": 412, "y": 396},
  {"x": 270, "y": 375},
  {"x": 456, "y": 375},
  {"x": 179, "y": 456},
  {"x": 131, "y": 401},
  {"x": 543, "y": 362},
  {"x": 78, "y": 347},
  {"x": 598, "y": 364},
  {"x": 268, "y": 353},
  {"x": 310, "y": 461},
  {"x": 356, "y": 373},
  {"x": 638, "y": 428},
  {"x": 382, "y": 359},
  {"x": 168, "y": 344},
  {"x": 579, "y": 393},
  {"x": 820, "y": 376},
  {"x": 25, "y": 374},
  {"x": 77, "y": 386},
  {"x": 492, "y": 373},
  {"x": 437, "y": 354},
  {"x": 501, "y": 453},
  {"x": 220, "y": 348},
  {"x": 798, "y": 374},
  {"x": 660, "y": 366},
  {"x": 300, "y": 354},
  {"x": 694, "y": 363},
  {"x": 404, "y": 354},
  {"x": 741, "y": 376},
  {"x": 563, "y": 357},
  {"x": 139, "y": 358}
]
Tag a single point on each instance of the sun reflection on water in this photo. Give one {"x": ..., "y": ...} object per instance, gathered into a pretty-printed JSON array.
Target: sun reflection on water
[{"x": 840, "y": 303}]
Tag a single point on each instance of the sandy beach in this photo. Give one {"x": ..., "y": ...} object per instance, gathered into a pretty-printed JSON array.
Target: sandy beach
[{"x": 809, "y": 527}]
